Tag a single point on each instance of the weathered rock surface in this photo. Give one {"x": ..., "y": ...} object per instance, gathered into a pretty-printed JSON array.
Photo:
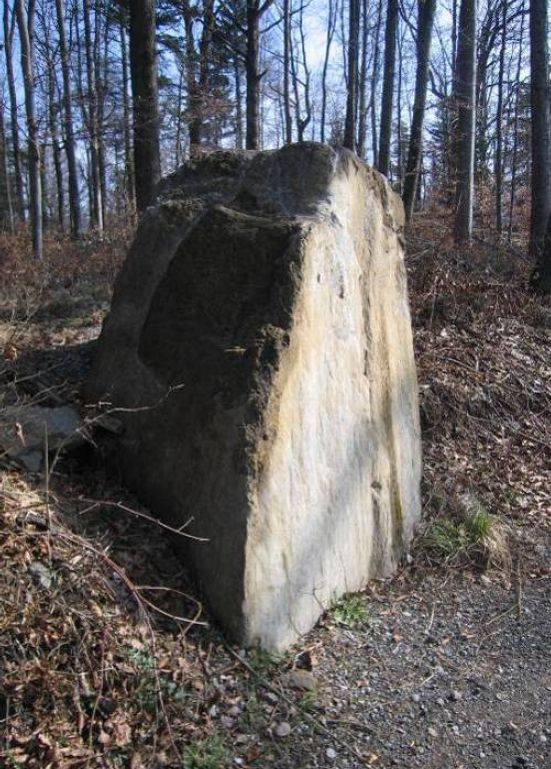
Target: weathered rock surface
[{"x": 260, "y": 343}]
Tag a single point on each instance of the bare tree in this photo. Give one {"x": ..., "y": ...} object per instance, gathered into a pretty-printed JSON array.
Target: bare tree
[
  {"x": 426, "y": 9},
  {"x": 332, "y": 11},
  {"x": 352, "y": 79},
  {"x": 465, "y": 97},
  {"x": 286, "y": 71},
  {"x": 25, "y": 19},
  {"x": 143, "y": 66},
  {"x": 6, "y": 210},
  {"x": 16, "y": 151},
  {"x": 74, "y": 194},
  {"x": 301, "y": 79},
  {"x": 499, "y": 121},
  {"x": 539, "y": 102},
  {"x": 92, "y": 115},
  {"x": 255, "y": 11},
  {"x": 388, "y": 87},
  {"x": 126, "y": 118}
]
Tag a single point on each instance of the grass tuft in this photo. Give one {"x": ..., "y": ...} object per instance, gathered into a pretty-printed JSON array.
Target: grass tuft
[
  {"x": 469, "y": 534},
  {"x": 209, "y": 753},
  {"x": 350, "y": 611}
]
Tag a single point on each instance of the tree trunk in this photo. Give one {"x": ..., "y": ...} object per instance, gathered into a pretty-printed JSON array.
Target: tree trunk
[
  {"x": 388, "y": 87},
  {"x": 101, "y": 80},
  {"x": 74, "y": 193},
  {"x": 374, "y": 83},
  {"x": 16, "y": 150},
  {"x": 193, "y": 101},
  {"x": 286, "y": 69},
  {"x": 362, "y": 82},
  {"x": 253, "y": 75},
  {"x": 24, "y": 24},
  {"x": 499, "y": 122},
  {"x": 238, "y": 104},
  {"x": 6, "y": 213},
  {"x": 56, "y": 149},
  {"x": 465, "y": 98},
  {"x": 352, "y": 80},
  {"x": 539, "y": 101},
  {"x": 424, "y": 36},
  {"x": 96, "y": 213},
  {"x": 331, "y": 24},
  {"x": 400, "y": 143},
  {"x": 128, "y": 158},
  {"x": 514, "y": 160},
  {"x": 143, "y": 66}
]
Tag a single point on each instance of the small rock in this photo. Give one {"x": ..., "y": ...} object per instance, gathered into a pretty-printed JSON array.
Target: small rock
[
  {"x": 234, "y": 711},
  {"x": 227, "y": 722},
  {"x": 270, "y": 697},
  {"x": 331, "y": 754},
  {"x": 432, "y": 731},
  {"x": 440, "y": 701},
  {"x": 299, "y": 679},
  {"x": 41, "y": 574},
  {"x": 283, "y": 729},
  {"x": 416, "y": 697},
  {"x": 213, "y": 711},
  {"x": 455, "y": 695}
]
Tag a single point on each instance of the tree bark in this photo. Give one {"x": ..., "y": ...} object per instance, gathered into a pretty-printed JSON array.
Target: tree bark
[
  {"x": 128, "y": 157},
  {"x": 388, "y": 87},
  {"x": 16, "y": 148},
  {"x": 465, "y": 98},
  {"x": 362, "y": 82},
  {"x": 424, "y": 37},
  {"x": 516, "y": 116},
  {"x": 374, "y": 83},
  {"x": 70, "y": 150},
  {"x": 253, "y": 76},
  {"x": 6, "y": 212},
  {"x": 286, "y": 69},
  {"x": 143, "y": 66},
  {"x": 539, "y": 102},
  {"x": 96, "y": 213},
  {"x": 352, "y": 80},
  {"x": 24, "y": 24},
  {"x": 499, "y": 122},
  {"x": 238, "y": 104},
  {"x": 330, "y": 31}
]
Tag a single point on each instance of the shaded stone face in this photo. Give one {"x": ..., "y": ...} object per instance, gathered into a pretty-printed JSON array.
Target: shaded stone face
[{"x": 261, "y": 319}]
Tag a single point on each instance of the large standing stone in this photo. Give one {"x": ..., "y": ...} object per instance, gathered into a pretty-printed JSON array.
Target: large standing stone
[{"x": 260, "y": 329}]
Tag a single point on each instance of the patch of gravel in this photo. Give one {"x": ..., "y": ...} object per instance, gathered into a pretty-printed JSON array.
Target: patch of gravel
[{"x": 448, "y": 672}]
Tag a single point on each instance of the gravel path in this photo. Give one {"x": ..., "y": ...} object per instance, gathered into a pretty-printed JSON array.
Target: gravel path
[{"x": 450, "y": 672}]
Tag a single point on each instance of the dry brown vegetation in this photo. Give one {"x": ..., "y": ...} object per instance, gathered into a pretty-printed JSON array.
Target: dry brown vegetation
[{"x": 96, "y": 668}]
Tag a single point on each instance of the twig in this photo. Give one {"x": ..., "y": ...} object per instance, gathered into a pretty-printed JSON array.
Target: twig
[
  {"x": 519, "y": 588},
  {"x": 94, "y": 503}
]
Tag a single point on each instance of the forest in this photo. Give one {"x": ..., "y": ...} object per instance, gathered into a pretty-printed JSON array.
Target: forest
[
  {"x": 450, "y": 101},
  {"x": 110, "y": 654}
]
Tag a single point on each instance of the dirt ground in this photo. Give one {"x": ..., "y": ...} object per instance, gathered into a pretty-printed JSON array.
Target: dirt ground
[{"x": 104, "y": 658}]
